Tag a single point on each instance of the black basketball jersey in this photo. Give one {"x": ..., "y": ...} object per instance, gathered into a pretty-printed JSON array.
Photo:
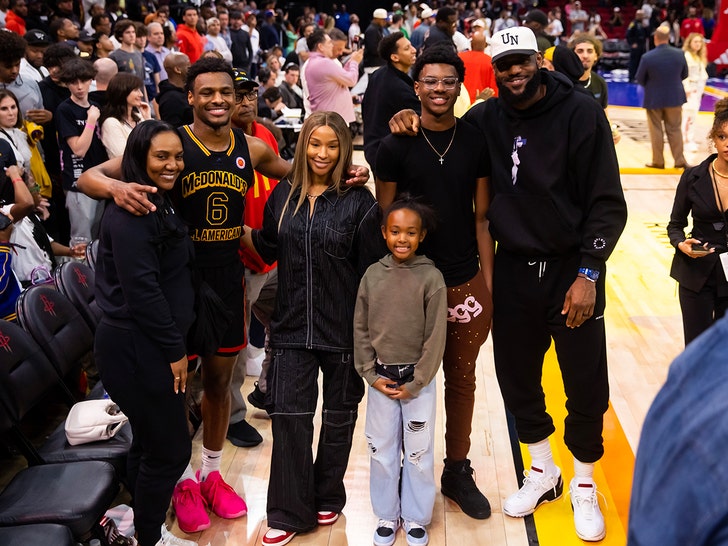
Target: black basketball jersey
[{"x": 210, "y": 196}]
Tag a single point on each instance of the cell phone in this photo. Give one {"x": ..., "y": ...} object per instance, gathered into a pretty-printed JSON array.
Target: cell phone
[
  {"x": 5, "y": 221},
  {"x": 695, "y": 247},
  {"x": 392, "y": 385}
]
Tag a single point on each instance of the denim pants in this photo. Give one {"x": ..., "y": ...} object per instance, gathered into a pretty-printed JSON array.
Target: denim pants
[
  {"x": 298, "y": 485},
  {"x": 393, "y": 426}
]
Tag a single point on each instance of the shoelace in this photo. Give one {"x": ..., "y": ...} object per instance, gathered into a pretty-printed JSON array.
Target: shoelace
[
  {"x": 538, "y": 482},
  {"x": 383, "y": 523},
  {"x": 221, "y": 485},
  {"x": 190, "y": 494},
  {"x": 589, "y": 503}
]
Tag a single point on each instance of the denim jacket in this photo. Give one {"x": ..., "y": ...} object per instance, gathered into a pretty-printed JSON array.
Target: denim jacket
[
  {"x": 680, "y": 476},
  {"x": 321, "y": 259}
]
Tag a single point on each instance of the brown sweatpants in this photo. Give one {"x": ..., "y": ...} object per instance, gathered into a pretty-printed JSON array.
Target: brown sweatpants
[{"x": 470, "y": 309}]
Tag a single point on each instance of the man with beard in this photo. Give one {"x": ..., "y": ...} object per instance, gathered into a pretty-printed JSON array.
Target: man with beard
[
  {"x": 589, "y": 49},
  {"x": 556, "y": 224},
  {"x": 446, "y": 164},
  {"x": 556, "y": 213}
]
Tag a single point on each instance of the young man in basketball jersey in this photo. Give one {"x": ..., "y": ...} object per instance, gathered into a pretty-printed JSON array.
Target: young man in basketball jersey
[{"x": 210, "y": 196}]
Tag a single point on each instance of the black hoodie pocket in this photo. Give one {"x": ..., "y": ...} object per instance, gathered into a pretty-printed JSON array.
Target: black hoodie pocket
[{"x": 531, "y": 225}]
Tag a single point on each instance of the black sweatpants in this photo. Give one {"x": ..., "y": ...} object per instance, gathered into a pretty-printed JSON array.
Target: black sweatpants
[
  {"x": 139, "y": 379},
  {"x": 528, "y": 296}
]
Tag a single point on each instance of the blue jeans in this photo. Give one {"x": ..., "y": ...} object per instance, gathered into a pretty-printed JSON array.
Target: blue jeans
[
  {"x": 298, "y": 486},
  {"x": 394, "y": 425}
]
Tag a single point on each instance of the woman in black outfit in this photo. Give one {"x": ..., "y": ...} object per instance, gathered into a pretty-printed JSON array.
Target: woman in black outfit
[
  {"x": 144, "y": 288},
  {"x": 697, "y": 265}
]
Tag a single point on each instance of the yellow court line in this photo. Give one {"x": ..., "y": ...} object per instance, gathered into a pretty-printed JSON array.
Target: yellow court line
[{"x": 613, "y": 473}]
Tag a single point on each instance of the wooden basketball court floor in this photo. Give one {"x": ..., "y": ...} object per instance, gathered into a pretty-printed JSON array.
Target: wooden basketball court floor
[{"x": 644, "y": 334}]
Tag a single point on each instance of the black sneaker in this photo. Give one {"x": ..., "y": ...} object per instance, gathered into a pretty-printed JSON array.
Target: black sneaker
[
  {"x": 242, "y": 434},
  {"x": 457, "y": 483},
  {"x": 257, "y": 398}
]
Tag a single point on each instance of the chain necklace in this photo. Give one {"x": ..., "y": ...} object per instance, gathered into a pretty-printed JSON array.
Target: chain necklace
[
  {"x": 715, "y": 171},
  {"x": 442, "y": 155}
]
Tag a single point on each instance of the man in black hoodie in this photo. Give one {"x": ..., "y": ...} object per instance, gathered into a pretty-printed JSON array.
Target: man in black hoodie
[
  {"x": 557, "y": 212},
  {"x": 172, "y": 99}
]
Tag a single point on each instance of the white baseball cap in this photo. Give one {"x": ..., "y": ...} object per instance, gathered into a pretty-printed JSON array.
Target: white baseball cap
[
  {"x": 380, "y": 13},
  {"x": 513, "y": 41},
  {"x": 426, "y": 13}
]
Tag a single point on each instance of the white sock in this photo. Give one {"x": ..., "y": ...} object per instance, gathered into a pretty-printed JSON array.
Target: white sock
[
  {"x": 188, "y": 474},
  {"x": 583, "y": 472},
  {"x": 210, "y": 462},
  {"x": 542, "y": 458}
]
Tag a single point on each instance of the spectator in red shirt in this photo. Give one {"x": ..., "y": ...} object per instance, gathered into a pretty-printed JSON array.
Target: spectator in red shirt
[
  {"x": 15, "y": 18},
  {"x": 691, "y": 23},
  {"x": 189, "y": 41},
  {"x": 479, "y": 74}
]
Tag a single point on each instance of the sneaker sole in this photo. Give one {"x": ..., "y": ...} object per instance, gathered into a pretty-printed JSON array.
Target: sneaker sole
[
  {"x": 280, "y": 542},
  {"x": 231, "y": 516},
  {"x": 475, "y": 515},
  {"x": 327, "y": 521},
  {"x": 592, "y": 539},
  {"x": 242, "y": 443},
  {"x": 389, "y": 542},
  {"x": 191, "y": 530},
  {"x": 545, "y": 499}
]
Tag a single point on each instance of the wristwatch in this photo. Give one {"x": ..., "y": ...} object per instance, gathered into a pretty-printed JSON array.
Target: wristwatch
[{"x": 589, "y": 274}]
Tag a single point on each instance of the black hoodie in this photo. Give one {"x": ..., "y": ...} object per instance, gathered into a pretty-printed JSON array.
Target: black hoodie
[
  {"x": 563, "y": 195},
  {"x": 173, "y": 105}
]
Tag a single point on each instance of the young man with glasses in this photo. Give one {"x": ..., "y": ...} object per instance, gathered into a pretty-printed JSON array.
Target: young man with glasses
[{"x": 446, "y": 163}]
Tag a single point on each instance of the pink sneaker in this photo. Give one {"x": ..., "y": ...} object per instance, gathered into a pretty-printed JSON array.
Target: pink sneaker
[
  {"x": 222, "y": 498},
  {"x": 190, "y": 507}
]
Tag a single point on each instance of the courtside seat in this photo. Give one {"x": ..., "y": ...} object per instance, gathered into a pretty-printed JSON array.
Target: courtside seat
[
  {"x": 75, "y": 495},
  {"x": 75, "y": 280},
  {"x": 27, "y": 378},
  {"x": 43, "y": 533}
]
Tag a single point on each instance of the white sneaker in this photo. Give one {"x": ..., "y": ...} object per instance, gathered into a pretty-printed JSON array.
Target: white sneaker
[
  {"x": 168, "y": 539},
  {"x": 386, "y": 532},
  {"x": 537, "y": 489},
  {"x": 588, "y": 518}
]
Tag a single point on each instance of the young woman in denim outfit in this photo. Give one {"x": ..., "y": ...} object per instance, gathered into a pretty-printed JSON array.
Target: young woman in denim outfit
[{"x": 324, "y": 236}]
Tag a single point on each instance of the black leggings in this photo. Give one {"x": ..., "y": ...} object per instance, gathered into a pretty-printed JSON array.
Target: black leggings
[{"x": 139, "y": 379}]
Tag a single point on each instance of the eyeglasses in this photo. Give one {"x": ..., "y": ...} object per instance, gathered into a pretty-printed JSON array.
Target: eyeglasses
[
  {"x": 250, "y": 95},
  {"x": 432, "y": 83}
]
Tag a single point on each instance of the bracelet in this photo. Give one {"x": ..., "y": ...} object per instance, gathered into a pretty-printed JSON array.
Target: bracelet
[
  {"x": 14, "y": 180},
  {"x": 592, "y": 275},
  {"x": 91, "y": 125}
]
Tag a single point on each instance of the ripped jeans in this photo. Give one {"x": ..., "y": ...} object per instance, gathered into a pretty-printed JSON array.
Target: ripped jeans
[
  {"x": 393, "y": 426},
  {"x": 298, "y": 485}
]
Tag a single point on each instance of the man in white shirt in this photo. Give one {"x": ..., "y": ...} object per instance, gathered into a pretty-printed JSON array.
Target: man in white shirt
[{"x": 31, "y": 66}]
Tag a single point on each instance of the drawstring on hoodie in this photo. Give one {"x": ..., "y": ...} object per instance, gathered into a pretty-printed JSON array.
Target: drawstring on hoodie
[{"x": 541, "y": 268}]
